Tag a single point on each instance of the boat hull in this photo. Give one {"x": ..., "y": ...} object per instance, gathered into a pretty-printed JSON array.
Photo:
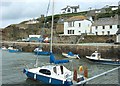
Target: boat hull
[
  {"x": 13, "y": 51},
  {"x": 46, "y": 79},
  {"x": 105, "y": 61},
  {"x": 68, "y": 56},
  {"x": 41, "y": 53}
]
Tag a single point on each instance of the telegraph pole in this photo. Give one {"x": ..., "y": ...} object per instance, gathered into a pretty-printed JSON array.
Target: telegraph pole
[{"x": 119, "y": 14}]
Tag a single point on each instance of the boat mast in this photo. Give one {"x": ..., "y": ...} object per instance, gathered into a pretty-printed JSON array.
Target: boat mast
[{"x": 52, "y": 26}]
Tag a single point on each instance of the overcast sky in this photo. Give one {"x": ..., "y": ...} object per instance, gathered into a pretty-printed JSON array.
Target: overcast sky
[{"x": 16, "y": 11}]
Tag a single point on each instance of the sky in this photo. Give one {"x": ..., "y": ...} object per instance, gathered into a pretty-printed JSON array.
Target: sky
[{"x": 16, "y": 11}]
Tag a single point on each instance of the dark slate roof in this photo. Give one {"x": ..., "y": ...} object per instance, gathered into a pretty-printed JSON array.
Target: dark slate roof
[
  {"x": 70, "y": 7},
  {"x": 118, "y": 32},
  {"x": 106, "y": 21}
]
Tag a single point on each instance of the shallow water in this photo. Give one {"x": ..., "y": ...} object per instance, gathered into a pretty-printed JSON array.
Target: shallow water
[{"x": 14, "y": 63}]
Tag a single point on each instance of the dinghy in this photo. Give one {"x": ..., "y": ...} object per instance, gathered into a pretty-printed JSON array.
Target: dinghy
[
  {"x": 71, "y": 55},
  {"x": 4, "y": 48},
  {"x": 39, "y": 51},
  {"x": 13, "y": 50}
]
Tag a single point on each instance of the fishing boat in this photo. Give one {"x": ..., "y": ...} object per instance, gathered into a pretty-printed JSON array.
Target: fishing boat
[
  {"x": 39, "y": 51},
  {"x": 54, "y": 72},
  {"x": 13, "y": 50},
  {"x": 71, "y": 55},
  {"x": 96, "y": 57}
]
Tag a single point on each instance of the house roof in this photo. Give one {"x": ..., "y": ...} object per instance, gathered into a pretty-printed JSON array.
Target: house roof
[
  {"x": 77, "y": 18},
  {"x": 106, "y": 21},
  {"x": 70, "y": 7},
  {"x": 118, "y": 32}
]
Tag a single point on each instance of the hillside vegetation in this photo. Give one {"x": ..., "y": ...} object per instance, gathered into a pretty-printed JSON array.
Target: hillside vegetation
[{"x": 22, "y": 30}]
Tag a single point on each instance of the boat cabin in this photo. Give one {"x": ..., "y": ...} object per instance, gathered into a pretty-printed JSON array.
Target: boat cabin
[
  {"x": 96, "y": 55},
  {"x": 57, "y": 70}
]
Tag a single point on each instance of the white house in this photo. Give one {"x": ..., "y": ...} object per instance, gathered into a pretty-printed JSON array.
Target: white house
[
  {"x": 38, "y": 36},
  {"x": 77, "y": 25},
  {"x": 118, "y": 36},
  {"x": 33, "y": 21},
  {"x": 112, "y": 7},
  {"x": 105, "y": 26},
  {"x": 70, "y": 9}
]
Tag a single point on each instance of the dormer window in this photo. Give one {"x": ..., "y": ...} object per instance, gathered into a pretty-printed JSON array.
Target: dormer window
[
  {"x": 68, "y": 10},
  {"x": 75, "y": 10}
]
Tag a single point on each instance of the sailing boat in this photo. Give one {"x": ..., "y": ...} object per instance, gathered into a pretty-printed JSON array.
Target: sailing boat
[{"x": 55, "y": 72}]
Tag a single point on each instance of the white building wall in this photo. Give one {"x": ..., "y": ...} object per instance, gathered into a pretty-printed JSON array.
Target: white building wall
[
  {"x": 38, "y": 36},
  {"x": 118, "y": 38},
  {"x": 115, "y": 8},
  {"x": 101, "y": 31},
  {"x": 85, "y": 27}
]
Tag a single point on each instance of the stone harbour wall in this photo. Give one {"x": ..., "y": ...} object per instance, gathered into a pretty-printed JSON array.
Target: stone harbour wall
[{"x": 110, "y": 51}]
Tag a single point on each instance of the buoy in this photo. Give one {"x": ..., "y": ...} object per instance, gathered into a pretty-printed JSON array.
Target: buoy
[
  {"x": 85, "y": 72},
  {"x": 81, "y": 68},
  {"x": 75, "y": 75}
]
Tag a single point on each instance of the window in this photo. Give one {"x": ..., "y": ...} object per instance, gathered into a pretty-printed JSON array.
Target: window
[
  {"x": 45, "y": 71},
  {"x": 61, "y": 68},
  {"x": 73, "y": 32},
  {"x": 79, "y": 24},
  {"x": 70, "y": 31},
  {"x": 68, "y": 10},
  {"x": 103, "y": 27},
  {"x": 118, "y": 26},
  {"x": 102, "y": 32},
  {"x": 108, "y": 32},
  {"x": 75, "y": 10},
  {"x": 110, "y": 26},
  {"x": 73, "y": 24},
  {"x": 96, "y": 27},
  {"x": 93, "y": 55},
  {"x": 96, "y": 33},
  {"x": 70, "y": 24},
  {"x": 55, "y": 70}
]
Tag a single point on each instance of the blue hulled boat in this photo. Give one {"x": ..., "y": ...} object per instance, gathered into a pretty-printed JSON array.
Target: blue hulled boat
[
  {"x": 71, "y": 55},
  {"x": 54, "y": 73},
  {"x": 13, "y": 50},
  {"x": 39, "y": 51}
]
